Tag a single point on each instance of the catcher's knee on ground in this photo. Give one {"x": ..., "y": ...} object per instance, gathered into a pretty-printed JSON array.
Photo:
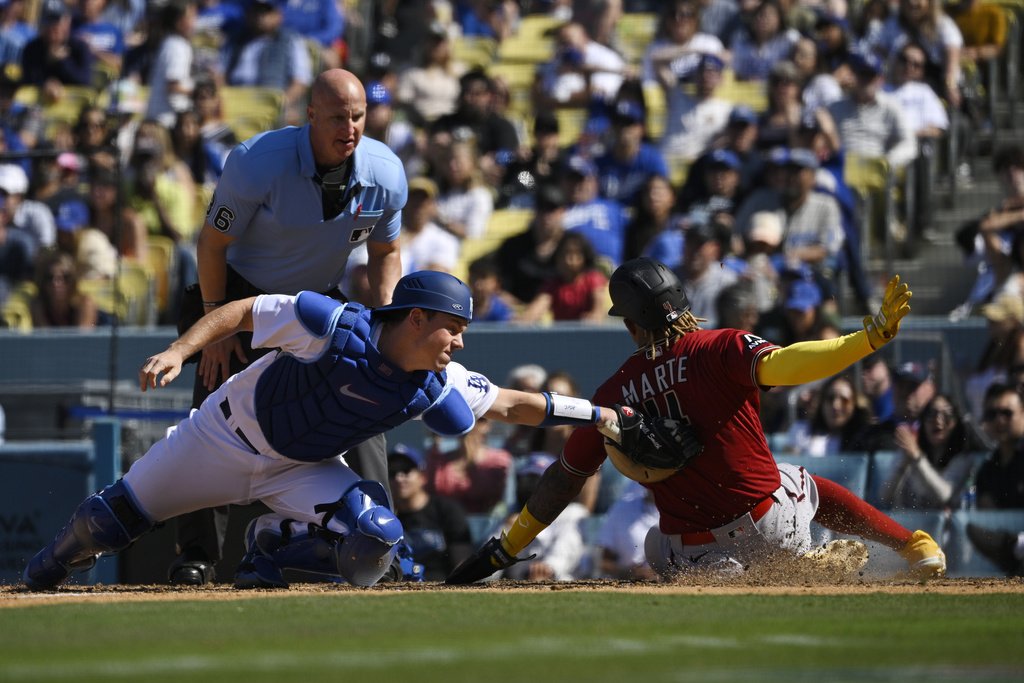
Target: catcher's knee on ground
[
  {"x": 105, "y": 522},
  {"x": 357, "y": 541}
]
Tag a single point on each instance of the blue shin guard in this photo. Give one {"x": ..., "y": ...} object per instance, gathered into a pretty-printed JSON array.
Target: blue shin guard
[{"x": 105, "y": 522}]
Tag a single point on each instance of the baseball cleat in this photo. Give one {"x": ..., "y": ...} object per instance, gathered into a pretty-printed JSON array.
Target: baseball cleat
[
  {"x": 924, "y": 556},
  {"x": 842, "y": 556}
]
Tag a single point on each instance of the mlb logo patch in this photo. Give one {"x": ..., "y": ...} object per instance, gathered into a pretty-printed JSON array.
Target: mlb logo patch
[
  {"x": 738, "y": 531},
  {"x": 359, "y": 234}
]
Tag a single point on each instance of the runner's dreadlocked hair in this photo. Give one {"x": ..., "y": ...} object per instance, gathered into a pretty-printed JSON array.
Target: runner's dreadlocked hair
[{"x": 686, "y": 322}]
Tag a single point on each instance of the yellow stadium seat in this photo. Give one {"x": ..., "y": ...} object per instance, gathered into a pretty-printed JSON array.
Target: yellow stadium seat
[
  {"x": 251, "y": 110},
  {"x": 507, "y": 222},
  {"x": 160, "y": 261},
  {"x": 131, "y": 300},
  {"x": 570, "y": 124},
  {"x": 873, "y": 182},
  {"x": 657, "y": 110},
  {"x": 635, "y": 32},
  {"x": 17, "y": 310},
  {"x": 475, "y": 51},
  {"x": 754, "y": 94},
  {"x": 678, "y": 171},
  {"x": 537, "y": 26}
]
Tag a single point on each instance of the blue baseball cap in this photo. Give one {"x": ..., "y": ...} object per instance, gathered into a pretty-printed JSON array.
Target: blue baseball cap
[
  {"x": 803, "y": 294},
  {"x": 434, "y": 291},
  {"x": 777, "y": 156},
  {"x": 377, "y": 93},
  {"x": 536, "y": 463},
  {"x": 581, "y": 166},
  {"x": 803, "y": 157},
  {"x": 724, "y": 157},
  {"x": 709, "y": 61},
  {"x": 865, "y": 63},
  {"x": 741, "y": 113},
  {"x": 402, "y": 457},
  {"x": 628, "y": 111},
  {"x": 72, "y": 215}
]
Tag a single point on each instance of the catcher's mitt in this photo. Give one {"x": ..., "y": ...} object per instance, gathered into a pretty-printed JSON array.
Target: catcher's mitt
[{"x": 649, "y": 450}]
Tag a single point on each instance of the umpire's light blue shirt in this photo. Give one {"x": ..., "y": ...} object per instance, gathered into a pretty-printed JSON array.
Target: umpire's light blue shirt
[{"x": 269, "y": 200}]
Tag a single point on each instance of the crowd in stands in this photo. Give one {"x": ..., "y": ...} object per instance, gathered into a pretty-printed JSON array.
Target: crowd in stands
[{"x": 545, "y": 142}]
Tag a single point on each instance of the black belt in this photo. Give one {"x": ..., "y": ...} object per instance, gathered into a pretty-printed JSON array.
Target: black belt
[{"x": 225, "y": 408}]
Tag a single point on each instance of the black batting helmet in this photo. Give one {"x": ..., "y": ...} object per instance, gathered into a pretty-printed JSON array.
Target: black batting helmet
[{"x": 648, "y": 293}]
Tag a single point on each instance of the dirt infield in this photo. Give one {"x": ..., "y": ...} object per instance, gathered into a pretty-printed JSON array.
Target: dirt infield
[{"x": 18, "y": 596}]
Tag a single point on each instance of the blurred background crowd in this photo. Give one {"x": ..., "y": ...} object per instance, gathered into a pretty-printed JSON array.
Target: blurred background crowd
[{"x": 785, "y": 157}]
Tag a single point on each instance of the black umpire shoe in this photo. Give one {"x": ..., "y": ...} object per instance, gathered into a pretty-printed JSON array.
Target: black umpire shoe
[
  {"x": 997, "y": 546},
  {"x": 188, "y": 570}
]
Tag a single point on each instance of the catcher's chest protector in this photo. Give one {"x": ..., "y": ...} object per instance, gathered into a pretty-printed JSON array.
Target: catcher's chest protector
[{"x": 313, "y": 410}]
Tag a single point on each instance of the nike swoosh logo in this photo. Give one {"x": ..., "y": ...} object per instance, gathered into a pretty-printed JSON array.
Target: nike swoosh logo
[{"x": 346, "y": 390}]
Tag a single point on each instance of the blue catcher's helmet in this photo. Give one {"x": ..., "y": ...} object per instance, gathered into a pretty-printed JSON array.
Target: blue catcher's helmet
[{"x": 434, "y": 291}]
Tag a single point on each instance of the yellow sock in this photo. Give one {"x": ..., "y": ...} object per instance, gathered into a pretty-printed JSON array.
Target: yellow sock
[{"x": 524, "y": 529}]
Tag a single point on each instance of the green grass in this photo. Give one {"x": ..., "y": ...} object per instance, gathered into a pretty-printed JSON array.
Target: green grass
[{"x": 557, "y": 636}]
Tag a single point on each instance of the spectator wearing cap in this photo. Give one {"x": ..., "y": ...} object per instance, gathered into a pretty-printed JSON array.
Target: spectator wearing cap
[
  {"x": 56, "y": 180},
  {"x": 436, "y": 528},
  {"x": 466, "y": 203},
  {"x": 675, "y": 54},
  {"x": 701, "y": 270},
  {"x": 14, "y": 32},
  {"x": 763, "y": 259},
  {"x": 431, "y": 89},
  {"x": 527, "y": 259},
  {"x": 22, "y": 126},
  {"x": 104, "y": 38},
  {"x": 534, "y": 167},
  {"x": 58, "y": 301},
  {"x": 629, "y": 160},
  {"x": 721, "y": 198},
  {"x": 271, "y": 55},
  {"x": 766, "y": 41},
  {"x": 812, "y": 232},
  {"x": 1003, "y": 349},
  {"x": 913, "y": 389},
  {"x": 16, "y": 250},
  {"x": 871, "y": 123},
  {"x": 785, "y": 107},
  {"x": 31, "y": 217},
  {"x": 321, "y": 23},
  {"x": 581, "y": 70},
  {"x": 601, "y": 221},
  {"x": 927, "y": 118},
  {"x": 495, "y": 137},
  {"x": 694, "y": 121},
  {"x": 55, "y": 58},
  {"x": 395, "y": 132},
  {"x": 170, "y": 76},
  {"x": 560, "y": 548},
  {"x": 473, "y": 473},
  {"x": 425, "y": 244}
]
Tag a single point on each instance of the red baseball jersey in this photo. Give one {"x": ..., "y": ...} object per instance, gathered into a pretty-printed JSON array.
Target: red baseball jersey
[{"x": 707, "y": 377}]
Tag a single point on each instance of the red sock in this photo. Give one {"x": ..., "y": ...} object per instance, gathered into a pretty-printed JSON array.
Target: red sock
[{"x": 840, "y": 510}]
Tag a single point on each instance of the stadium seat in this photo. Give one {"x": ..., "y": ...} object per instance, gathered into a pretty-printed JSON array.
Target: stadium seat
[
  {"x": 753, "y": 94},
  {"x": 571, "y": 123},
  {"x": 17, "y": 310},
  {"x": 962, "y": 557},
  {"x": 474, "y": 51},
  {"x": 251, "y": 110},
  {"x": 635, "y": 31},
  {"x": 873, "y": 183},
  {"x": 160, "y": 261},
  {"x": 847, "y": 469},
  {"x": 503, "y": 224}
]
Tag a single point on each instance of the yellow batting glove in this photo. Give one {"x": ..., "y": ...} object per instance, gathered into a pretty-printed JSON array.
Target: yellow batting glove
[{"x": 883, "y": 326}]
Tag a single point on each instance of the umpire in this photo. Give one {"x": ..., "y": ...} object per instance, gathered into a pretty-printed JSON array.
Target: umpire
[{"x": 290, "y": 207}]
